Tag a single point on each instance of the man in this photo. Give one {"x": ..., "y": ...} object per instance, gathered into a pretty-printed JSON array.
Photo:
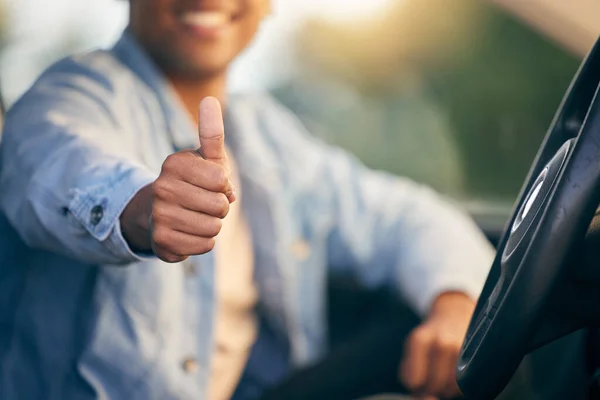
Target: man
[{"x": 107, "y": 180}]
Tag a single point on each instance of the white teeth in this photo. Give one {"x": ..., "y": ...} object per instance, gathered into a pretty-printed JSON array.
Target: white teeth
[{"x": 206, "y": 19}]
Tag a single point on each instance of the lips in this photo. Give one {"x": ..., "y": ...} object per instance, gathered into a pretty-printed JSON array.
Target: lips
[
  {"x": 206, "y": 24},
  {"x": 205, "y": 19}
]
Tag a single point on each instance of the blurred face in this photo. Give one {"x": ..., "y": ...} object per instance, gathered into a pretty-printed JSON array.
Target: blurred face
[{"x": 195, "y": 38}]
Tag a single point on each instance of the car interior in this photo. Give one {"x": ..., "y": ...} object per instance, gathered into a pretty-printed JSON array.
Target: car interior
[
  {"x": 544, "y": 282},
  {"x": 537, "y": 313},
  {"x": 543, "y": 285}
]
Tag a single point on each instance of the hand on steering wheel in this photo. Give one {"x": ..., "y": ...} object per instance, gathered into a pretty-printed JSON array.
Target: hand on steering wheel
[{"x": 431, "y": 350}]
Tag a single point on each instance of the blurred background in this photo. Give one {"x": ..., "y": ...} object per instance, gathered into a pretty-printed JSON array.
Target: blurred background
[{"x": 456, "y": 94}]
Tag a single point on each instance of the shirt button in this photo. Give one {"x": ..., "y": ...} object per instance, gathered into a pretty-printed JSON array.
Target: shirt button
[
  {"x": 96, "y": 215},
  {"x": 190, "y": 365},
  {"x": 300, "y": 249}
]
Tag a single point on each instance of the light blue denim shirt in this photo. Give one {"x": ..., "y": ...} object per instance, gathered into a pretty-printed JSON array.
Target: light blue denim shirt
[{"x": 82, "y": 316}]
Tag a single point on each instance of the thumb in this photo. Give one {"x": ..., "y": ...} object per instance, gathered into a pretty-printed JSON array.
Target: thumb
[{"x": 211, "y": 130}]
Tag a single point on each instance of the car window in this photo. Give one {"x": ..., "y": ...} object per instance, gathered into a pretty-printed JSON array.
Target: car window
[{"x": 456, "y": 95}]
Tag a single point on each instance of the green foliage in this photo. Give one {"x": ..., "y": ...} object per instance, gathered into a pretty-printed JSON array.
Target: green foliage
[
  {"x": 470, "y": 123},
  {"x": 500, "y": 98}
]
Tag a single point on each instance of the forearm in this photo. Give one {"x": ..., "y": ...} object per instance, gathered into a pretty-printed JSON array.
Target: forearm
[
  {"x": 69, "y": 208},
  {"x": 396, "y": 233},
  {"x": 68, "y": 168},
  {"x": 441, "y": 250}
]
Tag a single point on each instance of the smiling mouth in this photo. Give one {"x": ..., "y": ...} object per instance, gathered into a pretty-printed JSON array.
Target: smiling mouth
[{"x": 206, "y": 20}]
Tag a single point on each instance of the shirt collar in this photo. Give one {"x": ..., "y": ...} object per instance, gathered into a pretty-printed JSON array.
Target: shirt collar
[
  {"x": 182, "y": 130},
  {"x": 179, "y": 123}
]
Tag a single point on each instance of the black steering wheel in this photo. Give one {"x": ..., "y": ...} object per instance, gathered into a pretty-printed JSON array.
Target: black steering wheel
[{"x": 539, "y": 288}]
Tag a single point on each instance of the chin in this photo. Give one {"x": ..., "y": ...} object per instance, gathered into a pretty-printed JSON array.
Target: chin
[
  {"x": 208, "y": 63},
  {"x": 205, "y": 68},
  {"x": 206, "y": 59},
  {"x": 200, "y": 67}
]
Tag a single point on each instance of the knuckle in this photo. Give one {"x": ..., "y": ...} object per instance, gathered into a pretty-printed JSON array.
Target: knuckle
[
  {"x": 161, "y": 237},
  {"x": 446, "y": 344},
  {"x": 161, "y": 188},
  {"x": 420, "y": 337},
  {"x": 172, "y": 258},
  {"x": 172, "y": 162},
  {"x": 158, "y": 214},
  {"x": 206, "y": 245},
  {"x": 221, "y": 206},
  {"x": 214, "y": 226},
  {"x": 220, "y": 179}
]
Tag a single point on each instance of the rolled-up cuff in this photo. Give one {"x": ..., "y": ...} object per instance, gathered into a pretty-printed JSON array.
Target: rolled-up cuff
[
  {"x": 444, "y": 284},
  {"x": 99, "y": 208}
]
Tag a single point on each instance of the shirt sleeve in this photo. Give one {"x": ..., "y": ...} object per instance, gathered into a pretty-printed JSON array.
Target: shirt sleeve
[
  {"x": 383, "y": 230},
  {"x": 68, "y": 169},
  {"x": 392, "y": 231}
]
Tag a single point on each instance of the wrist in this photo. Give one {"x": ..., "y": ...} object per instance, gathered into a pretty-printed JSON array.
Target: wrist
[
  {"x": 135, "y": 221},
  {"x": 453, "y": 301}
]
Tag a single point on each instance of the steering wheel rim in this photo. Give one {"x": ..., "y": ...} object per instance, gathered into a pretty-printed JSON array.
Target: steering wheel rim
[{"x": 555, "y": 206}]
